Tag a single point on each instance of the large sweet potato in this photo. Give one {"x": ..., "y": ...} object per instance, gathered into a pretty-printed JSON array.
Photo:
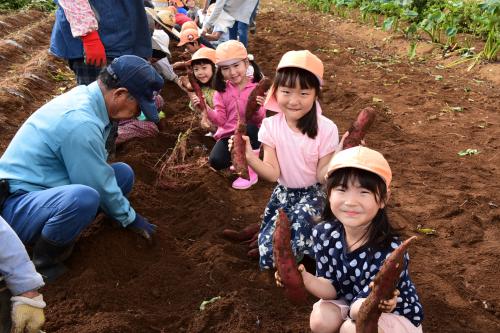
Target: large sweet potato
[
  {"x": 197, "y": 90},
  {"x": 384, "y": 284},
  {"x": 259, "y": 90},
  {"x": 238, "y": 156},
  {"x": 359, "y": 127},
  {"x": 285, "y": 261}
]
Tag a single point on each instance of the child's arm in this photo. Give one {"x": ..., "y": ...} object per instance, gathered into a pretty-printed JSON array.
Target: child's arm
[
  {"x": 325, "y": 161},
  {"x": 317, "y": 286},
  {"x": 269, "y": 167},
  {"x": 323, "y": 167},
  {"x": 213, "y": 36},
  {"x": 217, "y": 115}
]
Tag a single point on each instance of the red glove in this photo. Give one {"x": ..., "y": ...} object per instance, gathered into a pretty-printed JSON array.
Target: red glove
[{"x": 94, "y": 50}]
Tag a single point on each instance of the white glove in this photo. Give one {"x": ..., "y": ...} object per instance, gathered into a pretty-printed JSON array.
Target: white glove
[{"x": 27, "y": 314}]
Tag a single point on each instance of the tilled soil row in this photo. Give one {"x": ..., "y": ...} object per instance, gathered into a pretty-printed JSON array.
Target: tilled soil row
[
  {"x": 15, "y": 21},
  {"x": 25, "y": 87},
  {"x": 19, "y": 46}
]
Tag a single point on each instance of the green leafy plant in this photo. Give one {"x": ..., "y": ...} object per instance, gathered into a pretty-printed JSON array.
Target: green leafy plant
[{"x": 45, "y": 5}]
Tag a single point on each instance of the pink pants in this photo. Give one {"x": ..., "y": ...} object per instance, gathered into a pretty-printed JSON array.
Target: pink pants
[{"x": 388, "y": 322}]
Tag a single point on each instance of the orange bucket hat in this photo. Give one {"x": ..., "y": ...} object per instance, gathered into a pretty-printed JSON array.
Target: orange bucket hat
[
  {"x": 230, "y": 52},
  {"x": 189, "y": 25},
  {"x": 364, "y": 158},
  {"x": 188, "y": 36},
  {"x": 204, "y": 53},
  {"x": 303, "y": 59},
  {"x": 178, "y": 3}
]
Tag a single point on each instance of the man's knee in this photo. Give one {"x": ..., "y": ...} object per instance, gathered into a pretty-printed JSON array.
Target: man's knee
[
  {"x": 124, "y": 176},
  {"x": 84, "y": 199}
]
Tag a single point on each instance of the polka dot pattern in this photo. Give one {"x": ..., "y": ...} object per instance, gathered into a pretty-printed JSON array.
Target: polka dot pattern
[{"x": 351, "y": 273}]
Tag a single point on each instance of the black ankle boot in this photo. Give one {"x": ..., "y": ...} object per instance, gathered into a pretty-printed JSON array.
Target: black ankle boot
[{"x": 48, "y": 258}]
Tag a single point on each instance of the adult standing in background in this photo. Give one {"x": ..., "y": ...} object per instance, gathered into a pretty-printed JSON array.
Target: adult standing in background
[
  {"x": 91, "y": 33},
  {"x": 240, "y": 10}
]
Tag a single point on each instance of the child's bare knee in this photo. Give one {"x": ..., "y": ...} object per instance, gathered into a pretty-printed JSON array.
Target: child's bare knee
[
  {"x": 325, "y": 318},
  {"x": 349, "y": 326}
]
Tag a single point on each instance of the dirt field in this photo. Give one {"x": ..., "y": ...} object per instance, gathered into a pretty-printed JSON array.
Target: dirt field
[{"x": 118, "y": 283}]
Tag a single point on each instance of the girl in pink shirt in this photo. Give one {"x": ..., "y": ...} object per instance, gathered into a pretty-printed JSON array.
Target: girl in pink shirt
[
  {"x": 298, "y": 143},
  {"x": 233, "y": 89}
]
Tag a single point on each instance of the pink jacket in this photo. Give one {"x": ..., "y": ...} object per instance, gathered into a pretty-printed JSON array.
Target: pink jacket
[{"x": 226, "y": 106}]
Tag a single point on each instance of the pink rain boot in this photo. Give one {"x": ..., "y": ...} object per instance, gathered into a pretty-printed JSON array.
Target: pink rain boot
[{"x": 242, "y": 183}]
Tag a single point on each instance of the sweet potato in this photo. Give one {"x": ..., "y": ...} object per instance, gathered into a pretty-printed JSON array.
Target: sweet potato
[
  {"x": 259, "y": 90},
  {"x": 246, "y": 234},
  {"x": 238, "y": 157},
  {"x": 359, "y": 127},
  {"x": 284, "y": 261},
  {"x": 384, "y": 284},
  {"x": 180, "y": 65},
  {"x": 197, "y": 90}
]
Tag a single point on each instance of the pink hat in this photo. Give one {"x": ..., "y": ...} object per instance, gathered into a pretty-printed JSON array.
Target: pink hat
[
  {"x": 230, "y": 52},
  {"x": 364, "y": 158},
  {"x": 300, "y": 59}
]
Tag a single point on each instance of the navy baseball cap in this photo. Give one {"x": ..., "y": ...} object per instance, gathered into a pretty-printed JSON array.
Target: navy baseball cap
[{"x": 140, "y": 79}]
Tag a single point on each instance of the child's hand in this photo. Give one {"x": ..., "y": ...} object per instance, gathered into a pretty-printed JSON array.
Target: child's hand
[
  {"x": 340, "y": 146},
  {"x": 194, "y": 99},
  {"x": 260, "y": 100},
  {"x": 248, "y": 147},
  {"x": 388, "y": 305},
  {"x": 341, "y": 143},
  {"x": 277, "y": 276}
]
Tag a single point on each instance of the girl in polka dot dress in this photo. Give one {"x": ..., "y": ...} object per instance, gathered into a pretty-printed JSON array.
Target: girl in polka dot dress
[
  {"x": 298, "y": 142},
  {"x": 351, "y": 245}
]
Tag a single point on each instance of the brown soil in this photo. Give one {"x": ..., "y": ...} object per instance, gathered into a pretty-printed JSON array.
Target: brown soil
[{"x": 119, "y": 283}]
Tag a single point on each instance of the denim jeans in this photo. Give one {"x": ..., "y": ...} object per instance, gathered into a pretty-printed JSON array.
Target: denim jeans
[
  {"x": 61, "y": 213},
  {"x": 239, "y": 31}
]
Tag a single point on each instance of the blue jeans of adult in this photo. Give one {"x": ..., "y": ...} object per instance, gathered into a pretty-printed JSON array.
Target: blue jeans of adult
[
  {"x": 254, "y": 13},
  {"x": 239, "y": 31},
  {"x": 61, "y": 213}
]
